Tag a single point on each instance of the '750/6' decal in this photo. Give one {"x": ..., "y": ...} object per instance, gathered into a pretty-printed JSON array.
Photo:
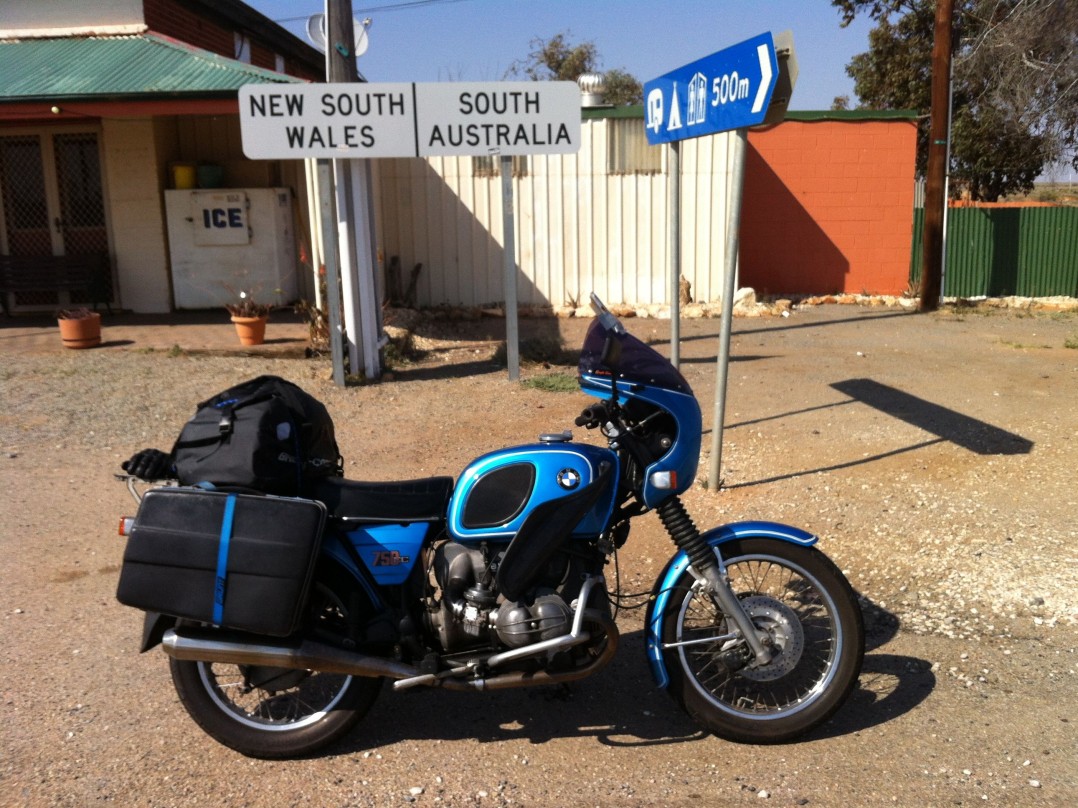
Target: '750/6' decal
[{"x": 389, "y": 558}]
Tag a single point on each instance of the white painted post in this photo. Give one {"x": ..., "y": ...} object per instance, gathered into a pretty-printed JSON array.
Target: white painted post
[{"x": 512, "y": 333}]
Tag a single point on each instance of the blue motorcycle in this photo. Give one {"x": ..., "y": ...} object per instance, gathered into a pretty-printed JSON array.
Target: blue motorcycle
[{"x": 282, "y": 617}]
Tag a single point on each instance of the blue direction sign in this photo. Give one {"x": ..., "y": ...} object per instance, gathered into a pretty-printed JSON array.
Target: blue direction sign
[{"x": 727, "y": 90}]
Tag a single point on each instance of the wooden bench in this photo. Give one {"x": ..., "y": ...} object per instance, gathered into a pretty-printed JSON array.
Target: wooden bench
[{"x": 87, "y": 274}]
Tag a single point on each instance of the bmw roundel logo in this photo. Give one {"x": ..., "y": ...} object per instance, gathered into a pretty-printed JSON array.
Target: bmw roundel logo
[{"x": 569, "y": 479}]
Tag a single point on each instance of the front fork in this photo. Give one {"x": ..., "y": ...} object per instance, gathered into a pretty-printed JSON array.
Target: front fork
[{"x": 710, "y": 569}]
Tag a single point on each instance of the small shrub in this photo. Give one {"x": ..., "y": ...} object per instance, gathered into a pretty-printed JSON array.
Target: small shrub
[
  {"x": 553, "y": 383},
  {"x": 400, "y": 351},
  {"x": 1071, "y": 342}
]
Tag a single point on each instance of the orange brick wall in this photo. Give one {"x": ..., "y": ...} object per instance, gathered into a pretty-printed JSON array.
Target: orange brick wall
[{"x": 828, "y": 207}]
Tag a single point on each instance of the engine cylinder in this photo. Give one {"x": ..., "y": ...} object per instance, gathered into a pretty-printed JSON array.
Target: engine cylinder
[
  {"x": 519, "y": 624},
  {"x": 514, "y": 625},
  {"x": 552, "y": 616}
]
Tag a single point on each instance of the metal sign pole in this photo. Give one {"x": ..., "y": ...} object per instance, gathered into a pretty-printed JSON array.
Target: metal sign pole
[
  {"x": 329, "y": 253},
  {"x": 512, "y": 334},
  {"x": 733, "y": 224},
  {"x": 674, "y": 171},
  {"x": 744, "y": 85}
]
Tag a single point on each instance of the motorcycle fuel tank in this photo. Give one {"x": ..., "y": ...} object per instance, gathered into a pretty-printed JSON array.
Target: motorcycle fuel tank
[{"x": 497, "y": 492}]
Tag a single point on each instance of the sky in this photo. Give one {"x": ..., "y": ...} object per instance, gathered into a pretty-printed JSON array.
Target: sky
[{"x": 478, "y": 40}]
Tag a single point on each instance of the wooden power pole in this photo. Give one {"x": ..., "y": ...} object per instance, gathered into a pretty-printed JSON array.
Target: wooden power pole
[{"x": 935, "y": 173}]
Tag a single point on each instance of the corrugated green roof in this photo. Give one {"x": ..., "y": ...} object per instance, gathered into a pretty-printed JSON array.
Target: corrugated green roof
[{"x": 143, "y": 66}]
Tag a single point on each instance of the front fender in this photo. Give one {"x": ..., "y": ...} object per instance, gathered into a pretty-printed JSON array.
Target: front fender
[{"x": 664, "y": 584}]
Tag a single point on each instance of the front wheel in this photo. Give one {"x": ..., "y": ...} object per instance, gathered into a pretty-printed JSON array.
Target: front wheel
[
  {"x": 809, "y": 615},
  {"x": 268, "y": 712}
]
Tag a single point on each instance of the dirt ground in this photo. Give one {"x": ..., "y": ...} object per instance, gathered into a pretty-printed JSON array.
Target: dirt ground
[{"x": 935, "y": 456}]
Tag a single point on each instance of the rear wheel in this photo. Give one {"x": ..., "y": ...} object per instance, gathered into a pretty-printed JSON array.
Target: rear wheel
[
  {"x": 803, "y": 604},
  {"x": 269, "y": 712}
]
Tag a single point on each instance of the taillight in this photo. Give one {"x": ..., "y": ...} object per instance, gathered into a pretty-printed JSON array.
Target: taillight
[{"x": 126, "y": 523}]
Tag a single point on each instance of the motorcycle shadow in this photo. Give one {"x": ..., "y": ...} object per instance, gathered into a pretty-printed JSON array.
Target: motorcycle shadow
[
  {"x": 620, "y": 706},
  {"x": 890, "y": 685}
]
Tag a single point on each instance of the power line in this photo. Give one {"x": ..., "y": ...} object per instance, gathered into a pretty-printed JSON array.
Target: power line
[{"x": 405, "y": 6}]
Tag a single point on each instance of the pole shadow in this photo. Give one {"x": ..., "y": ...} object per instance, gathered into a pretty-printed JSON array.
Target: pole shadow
[{"x": 947, "y": 424}]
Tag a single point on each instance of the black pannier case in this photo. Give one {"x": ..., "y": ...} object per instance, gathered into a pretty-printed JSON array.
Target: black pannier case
[{"x": 238, "y": 561}]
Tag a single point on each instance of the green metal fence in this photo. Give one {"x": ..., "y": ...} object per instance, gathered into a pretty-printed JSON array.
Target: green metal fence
[{"x": 1031, "y": 252}]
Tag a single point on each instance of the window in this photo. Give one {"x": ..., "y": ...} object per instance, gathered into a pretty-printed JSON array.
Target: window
[
  {"x": 628, "y": 150},
  {"x": 242, "y": 47},
  {"x": 487, "y": 166}
]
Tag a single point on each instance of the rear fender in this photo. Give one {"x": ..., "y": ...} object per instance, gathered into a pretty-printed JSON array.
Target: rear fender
[
  {"x": 334, "y": 547},
  {"x": 667, "y": 580},
  {"x": 154, "y": 626}
]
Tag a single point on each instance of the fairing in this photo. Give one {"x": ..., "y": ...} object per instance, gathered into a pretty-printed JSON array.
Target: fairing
[
  {"x": 642, "y": 373},
  {"x": 683, "y": 457},
  {"x": 636, "y": 362}
]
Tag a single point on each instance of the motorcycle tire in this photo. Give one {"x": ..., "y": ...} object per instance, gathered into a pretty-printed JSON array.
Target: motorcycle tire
[
  {"x": 267, "y": 712},
  {"x": 809, "y": 610}
]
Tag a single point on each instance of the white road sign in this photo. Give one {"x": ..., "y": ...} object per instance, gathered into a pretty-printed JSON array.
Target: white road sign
[
  {"x": 285, "y": 121},
  {"x": 279, "y": 122},
  {"x": 498, "y": 117}
]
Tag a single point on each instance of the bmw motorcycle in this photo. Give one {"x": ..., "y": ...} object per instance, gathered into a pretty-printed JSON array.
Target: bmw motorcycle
[{"x": 497, "y": 580}]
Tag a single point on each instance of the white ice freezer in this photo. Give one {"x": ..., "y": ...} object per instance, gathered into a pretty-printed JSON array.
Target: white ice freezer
[{"x": 227, "y": 240}]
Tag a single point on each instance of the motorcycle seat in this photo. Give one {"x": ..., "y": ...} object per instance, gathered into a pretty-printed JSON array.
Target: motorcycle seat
[{"x": 405, "y": 501}]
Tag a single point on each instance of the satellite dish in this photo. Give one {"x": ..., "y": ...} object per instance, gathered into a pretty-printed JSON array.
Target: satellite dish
[
  {"x": 316, "y": 32},
  {"x": 362, "y": 40}
]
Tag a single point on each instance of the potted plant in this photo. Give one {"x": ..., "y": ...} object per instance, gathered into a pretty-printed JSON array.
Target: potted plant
[
  {"x": 79, "y": 327},
  {"x": 250, "y": 319}
]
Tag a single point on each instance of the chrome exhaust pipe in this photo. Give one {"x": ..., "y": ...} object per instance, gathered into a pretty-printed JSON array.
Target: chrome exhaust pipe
[
  {"x": 210, "y": 645},
  {"x": 461, "y": 678},
  {"x": 205, "y": 645},
  {"x": 514, "y": 679}
]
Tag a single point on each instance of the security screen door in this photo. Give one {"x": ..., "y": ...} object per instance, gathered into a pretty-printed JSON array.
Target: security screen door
[{"x": 51, "y": 203}]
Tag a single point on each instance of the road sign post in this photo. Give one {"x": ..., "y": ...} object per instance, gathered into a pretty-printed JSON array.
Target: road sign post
[
  {"x": 732, "y": 89},
  {"x": 330, "y": 254}
]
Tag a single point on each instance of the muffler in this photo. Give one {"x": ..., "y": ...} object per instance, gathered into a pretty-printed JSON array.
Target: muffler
[{"x": 207, "y": 645}]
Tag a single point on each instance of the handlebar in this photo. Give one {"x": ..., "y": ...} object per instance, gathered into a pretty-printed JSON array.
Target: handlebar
[{"x": 593, "y": 415}]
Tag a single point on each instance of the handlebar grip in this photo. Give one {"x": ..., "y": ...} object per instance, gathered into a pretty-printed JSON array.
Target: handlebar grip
[{"x": 592, "y": 416}]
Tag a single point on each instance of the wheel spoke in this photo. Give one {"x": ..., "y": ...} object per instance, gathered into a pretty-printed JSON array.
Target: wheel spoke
[{"x": 785, "y": 602}]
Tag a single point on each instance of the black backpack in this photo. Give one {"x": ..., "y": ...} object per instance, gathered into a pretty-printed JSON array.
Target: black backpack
[{"x": 266, "y": 434}]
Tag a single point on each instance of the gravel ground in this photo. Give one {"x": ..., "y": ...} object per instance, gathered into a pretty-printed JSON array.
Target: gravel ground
[{"x": 934, "y": 454}]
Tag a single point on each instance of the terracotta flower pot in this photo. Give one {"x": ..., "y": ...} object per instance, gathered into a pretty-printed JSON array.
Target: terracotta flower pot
[
  {"x": 81, "y": 332},
  {"x": 251, "y": 330}
]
